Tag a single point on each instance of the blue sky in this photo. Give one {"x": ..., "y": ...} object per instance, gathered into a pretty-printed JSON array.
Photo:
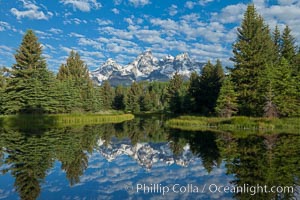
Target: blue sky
[{"x": 122, "y": 29}]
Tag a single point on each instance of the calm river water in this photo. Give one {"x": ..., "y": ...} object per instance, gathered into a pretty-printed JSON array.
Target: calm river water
[{"x": 142, "y": 159}]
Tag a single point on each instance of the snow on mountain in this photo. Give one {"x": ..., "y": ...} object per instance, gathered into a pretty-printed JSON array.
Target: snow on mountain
[
  {"x": 146, "y": 67},
  {"x": 145, "y": 154}
]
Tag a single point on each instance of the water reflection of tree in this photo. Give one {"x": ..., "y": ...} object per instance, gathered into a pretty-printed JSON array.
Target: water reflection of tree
[
  {"x": 264, "y": 160},
  {"x": 30, "y": 156}
]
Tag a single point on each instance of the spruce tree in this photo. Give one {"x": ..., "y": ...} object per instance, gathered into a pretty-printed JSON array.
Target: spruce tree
[
  {"x": 133, "y": 98},
  {"x": 173, "y": 94},
  {"x": 107, "y": 95},
  {"x": 253, "y": 51},
  {"x": 285, "y": 90},
  {"x": 288, "y": 48},
  {"x": 30, "y": 86},
  {"x": 227, "y": 101},
  {"x": 209, "y": 87},
  {"x": 2, "y": 88},
  {"x": 277, "y": 41},
  {"x": 146, "y": 101},
  {"x": 75, "y": 71},
  {"x": 119, "y": 99},
  {"x": 193, "y": 93}
]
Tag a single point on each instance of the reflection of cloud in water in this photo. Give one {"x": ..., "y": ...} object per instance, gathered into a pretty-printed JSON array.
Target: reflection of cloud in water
[{"x": 107, "y": 179}]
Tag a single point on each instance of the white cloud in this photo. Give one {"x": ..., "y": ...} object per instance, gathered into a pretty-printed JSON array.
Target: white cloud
[
  {"x": 231, "y": 13},
  {"x": 173, "y": 10},
  {"x": 139, "y": 3},
  {"x": 89, "y": 42},
  {"x": 83, "y": 5},
  {"x": 72, "y": 34},
  {"x": 75, "y": 21},
  {"x": 115, "y": 11},
  {"x": 6, "y": 26},
  {"x": 190, "y": 4},
  {"x": 55, "y": 30},
  {"x": 103, "y": 22},
  {"x": 31, "y": 11},
  {"x": 204, "y": 2}
]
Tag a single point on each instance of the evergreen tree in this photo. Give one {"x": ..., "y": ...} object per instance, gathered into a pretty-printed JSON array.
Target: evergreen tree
[
  {"x": 209, "y": 87},
  {"x": 277, "y": 41},
  {"x": 2, "y": 89},
  {"x": 146, "y": 101},
  {"x": 253, "y": 51},
  {"x": 227, "y": 100},
  {"x": 119, "y": 99},
  {"x": 285, "y": 90},
  {"x": 193, "y": 94},
  {"x": 133, "y": 98},
  {"x": 76, "y": 72},
  {"x": 107, "y": 95},
  {"x": 288, "y": 48},
  {"x": 30, "y": 86},
  {"x": 173, "y": 94},
  {"x": 270, "y": 109}
]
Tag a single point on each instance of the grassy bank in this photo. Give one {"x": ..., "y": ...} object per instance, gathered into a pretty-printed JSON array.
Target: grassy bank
[
  {"x": 236, "y": 124},
  {"x": 61, "y": 120}
]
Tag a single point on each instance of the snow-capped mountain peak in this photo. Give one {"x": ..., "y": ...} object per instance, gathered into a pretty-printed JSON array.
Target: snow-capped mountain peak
[{"x": 146, "y": 67}]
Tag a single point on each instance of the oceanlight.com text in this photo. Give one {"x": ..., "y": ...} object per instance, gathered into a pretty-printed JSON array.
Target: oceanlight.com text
[{"x": 209, "y": 188}]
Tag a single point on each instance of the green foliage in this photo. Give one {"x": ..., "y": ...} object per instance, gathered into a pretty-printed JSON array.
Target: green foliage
[
  {"x": 133, "y": 98},
  {"x": 31, "y": 85},
  {"x": 119, "y": 99},
  {"x": 288, "y": 48},
  {"x": 237, "y": 125},
  {"x": 253, "y": 51},
  {"x": 75, "y": 76},
  {"x": 227, "y": 101},
  {"x": 285, "y": 90},
  {"x": 210, "y": 84},
  {"x": 107, "y": 94},
  {"x": 174, "y": 93}
]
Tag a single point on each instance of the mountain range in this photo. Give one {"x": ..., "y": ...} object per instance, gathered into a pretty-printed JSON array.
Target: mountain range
[
  {"x": 145, "y": 154},
  {"x": 146, "y": 67}
]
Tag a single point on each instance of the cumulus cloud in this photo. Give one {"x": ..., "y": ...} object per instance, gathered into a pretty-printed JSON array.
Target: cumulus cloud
[
  {"x": 139, "y": 3},
  {"x": 31, "y": 11},
  {"x": 83, "y": 5},
  {"x": 231, "y": 13}
]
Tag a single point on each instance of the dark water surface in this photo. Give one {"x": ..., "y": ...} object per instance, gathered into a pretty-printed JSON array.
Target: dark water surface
[{"x": 142, "y": 159}]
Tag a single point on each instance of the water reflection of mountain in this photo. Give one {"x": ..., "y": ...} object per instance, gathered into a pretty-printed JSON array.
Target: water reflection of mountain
[
  {"x": 145, "y": 154},
  {"x": 29, "y": 157}
]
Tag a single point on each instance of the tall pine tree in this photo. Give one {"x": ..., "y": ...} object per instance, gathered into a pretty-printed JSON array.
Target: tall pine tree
[
  {"x": 30, "y": 86},
  {"x": 209, "y": 87},
  {"x": 227, "y": 101},
  {"x": 76, "y": 74},
  {"x": 288, "y": 47},
  {"x": 174, "y": 95},
  {"x": 253, "y": 51}
]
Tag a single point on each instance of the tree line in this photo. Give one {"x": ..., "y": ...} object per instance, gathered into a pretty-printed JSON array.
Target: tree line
[{"x": 264, "y": 81}]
